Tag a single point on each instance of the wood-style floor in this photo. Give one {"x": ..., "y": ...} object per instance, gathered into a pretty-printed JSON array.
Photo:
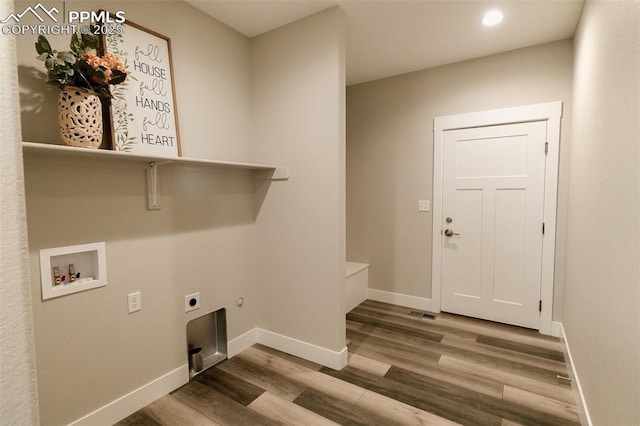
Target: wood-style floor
[{"x": 402, "y": 370}]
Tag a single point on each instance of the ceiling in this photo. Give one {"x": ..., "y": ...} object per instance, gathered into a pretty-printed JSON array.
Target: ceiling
[{"x": 392, "y": 37}]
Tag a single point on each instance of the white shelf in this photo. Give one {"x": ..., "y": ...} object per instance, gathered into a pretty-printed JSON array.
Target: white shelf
[
  {"x": 35, "y": 147},
  {"x": 355, "y": 267},
  {"x": 153, "y": 163}
]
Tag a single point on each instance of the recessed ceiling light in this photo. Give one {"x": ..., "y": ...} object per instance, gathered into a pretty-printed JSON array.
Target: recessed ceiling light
[{"x": 492, "y": 17}]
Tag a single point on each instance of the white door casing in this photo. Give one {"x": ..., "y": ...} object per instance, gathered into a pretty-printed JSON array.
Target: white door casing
[
  {"x": 508, "y": 232},
  {"x": 493, "y": 194}
]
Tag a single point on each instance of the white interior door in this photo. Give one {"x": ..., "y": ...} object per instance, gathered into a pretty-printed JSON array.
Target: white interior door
[{"x": 492, "y": 218}]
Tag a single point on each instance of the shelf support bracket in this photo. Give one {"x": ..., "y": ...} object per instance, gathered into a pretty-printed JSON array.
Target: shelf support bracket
[{"x": 153, "y": 184}]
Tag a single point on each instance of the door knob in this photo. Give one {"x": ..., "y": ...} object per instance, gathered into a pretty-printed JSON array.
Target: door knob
[{"x": 450, "y": 233}]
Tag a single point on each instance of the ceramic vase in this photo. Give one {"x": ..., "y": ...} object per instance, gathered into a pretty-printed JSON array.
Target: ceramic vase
[{"x": 80, "y": 117}]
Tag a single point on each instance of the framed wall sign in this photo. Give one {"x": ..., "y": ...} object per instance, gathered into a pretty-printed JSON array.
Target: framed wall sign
[{"x": 144, "y": 119}]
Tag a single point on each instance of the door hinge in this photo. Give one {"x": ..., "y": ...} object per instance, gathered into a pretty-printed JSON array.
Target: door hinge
[
  {"x": 542, "y": 228},
  {"x": 546, "y": 148},
  {"x": 540, "y": 306}
]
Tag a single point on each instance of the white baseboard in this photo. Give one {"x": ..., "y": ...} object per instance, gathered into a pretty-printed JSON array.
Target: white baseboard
[
  {"x": 242, "y": 342},
  {"x": 308, "y": 351},
  {"x": 146, "y": 394},
  {"x": 136, "y": 399},
  {"x": 399, "y": 299},
  {"x": 556, "y": 329},
  {"x": 585, "y": 418}
]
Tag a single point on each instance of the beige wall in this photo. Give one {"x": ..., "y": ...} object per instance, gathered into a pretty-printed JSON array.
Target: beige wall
[
  {"x": 89, "y": 350},
  {"x": 277, "y": 99},
  {"x": 390, "y": 153},
  {"x": 298, "y": 84},
  {"x": 602, "y": 296},
  {"x": 212, "y": 76}
]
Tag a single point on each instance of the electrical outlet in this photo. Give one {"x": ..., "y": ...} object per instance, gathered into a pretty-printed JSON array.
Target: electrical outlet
[
  {"x": 424, "y": 206},
  {"x": 135, "y": 302},
  {"x": 192, "y": 302}
]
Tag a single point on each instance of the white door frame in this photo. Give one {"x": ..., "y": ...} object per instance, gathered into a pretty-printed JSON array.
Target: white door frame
[{"x": 550, "y": 112}]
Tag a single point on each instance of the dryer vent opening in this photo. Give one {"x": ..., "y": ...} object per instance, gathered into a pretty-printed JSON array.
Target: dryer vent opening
[{"x": 207, "y": 341}]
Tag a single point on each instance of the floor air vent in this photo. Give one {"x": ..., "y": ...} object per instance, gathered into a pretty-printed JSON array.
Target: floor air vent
[{"x": 422, "y": 315}]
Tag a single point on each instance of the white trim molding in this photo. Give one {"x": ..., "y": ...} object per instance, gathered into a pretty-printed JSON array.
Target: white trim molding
[
  {"x": 308, "y": 351},
  {"x": 550, "y": 112},
  {"x": 585, "y": 418},
  {"x": 305, "y": 350},
  {"x": 400, "y": 299},
  {"x": 242, "y": 342},
  {"x": 128, "y": 404}
]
